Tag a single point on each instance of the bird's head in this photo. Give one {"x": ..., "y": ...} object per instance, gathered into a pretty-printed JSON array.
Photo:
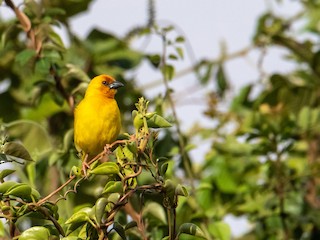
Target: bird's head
[{"x": 103, "y": 84}]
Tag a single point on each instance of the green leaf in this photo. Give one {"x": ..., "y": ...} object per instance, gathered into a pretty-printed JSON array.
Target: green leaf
[
  {"x": 138, "y": 120},
  {"x": 71, "y": 238},
  {"x": 106, "y": 168},
  {"x": 71, "y": 7},
  {"x": 76, "y": 72},
  {"x": 67, "y": 140},
  {"x": 222, "y": 81},
  {"x": 2, "y": 229},
  {"x": 120, "y": 230},
  {"x": 113, "y": 187},
  {"x": 53, "y": 11},
  {"x": 35, "y": 194},
  {"x": 154, "y": 59},
  {"x": 191, "y": 229},
  {"x": 56, "y": 39},
  {"x": 128, "y": 154},
  {"x": 52, "y": 208},
  {"x": 156, "y": 211},
  {"x": 173, "y": 57},
  {"x": 17, "y": 150},
  {"x": 24, "y": 57},
  {"x": 179, "y": 51},
  {"x": 42, "y": 66},
  {"x": 100, "y": 206},
  {"x": 180, "y": 39},
  {"x": 124, "y": 58},
  {"x": 168, "y": 72},
  {"x": 80, "y": 216},
  {"x": 6, "y": 172},
  {"x": 131, "y": 224},
  {"x": 304, "y": 118},
  {"x": 156, "y": 121},
  {"x": 74, "y": 226},
  {"x": 181, "y": 190},
  {"x": 242, "y": 100},
  {"x": 35, "y": 233},
  {"x": 31, "y": 173},
  {"x": 168, "y": 28},
  {"x": 4, "y": 187},
  {"x": 132, "y": 146},
  {"x": 163, "y": 169},
  {"x": 220, "y": 230},
  {"x": 21, "y": 190},
  {"x": 33, "y": 136},
  {"x": 204, "y": 70},
  {"x": 170, "y": 189}
]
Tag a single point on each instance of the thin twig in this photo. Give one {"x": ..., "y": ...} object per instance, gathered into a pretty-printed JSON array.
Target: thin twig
[
  {"x": 43, "y": 200},
  {"x": 106, "y": 149}
]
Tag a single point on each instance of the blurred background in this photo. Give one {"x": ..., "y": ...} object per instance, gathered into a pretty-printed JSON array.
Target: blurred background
[{"x": 239, "y": 80}]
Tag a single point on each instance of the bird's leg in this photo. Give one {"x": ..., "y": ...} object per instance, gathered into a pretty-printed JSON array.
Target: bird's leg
[
  {"x": 85, "y": 165},
  {"x": 107, "y": 148}
]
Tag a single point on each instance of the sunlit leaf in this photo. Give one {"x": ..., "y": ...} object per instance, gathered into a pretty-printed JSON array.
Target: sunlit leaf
[
  {"x": 168, "y": 71},
  {"x": 155, "y": 210},
  {"x": 6, "y": 172},
  {"x": 33, "y": 136},
  {"x": 220, "y": 230},
  {"x": 100, "y": 206},
  {"x": 4, "y": 187},
  {"x": 191, "y": 229},
  {"x": 113, "y": 187},
  {"x": 21, "y": 190},
  {"x": 106, "y": 168},
  {"x": 156, "y": 121},
  {"x": 181, "y": 190},
  {"x": 80, "y": 216},
  {"x": 35, "y": 233},
  {"x": 179, "y": 51}
]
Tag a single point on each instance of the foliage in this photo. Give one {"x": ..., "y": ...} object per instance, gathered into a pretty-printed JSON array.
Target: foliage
[{"x": 263, "y": 163}]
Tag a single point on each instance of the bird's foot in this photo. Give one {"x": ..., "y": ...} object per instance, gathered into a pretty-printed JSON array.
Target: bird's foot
[
  {"x": 107, "y": 148},
  {"x": 85, "y": 166}
]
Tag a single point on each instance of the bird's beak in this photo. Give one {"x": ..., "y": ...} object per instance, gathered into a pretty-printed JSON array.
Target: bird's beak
[{"x": 115, "y": 85}]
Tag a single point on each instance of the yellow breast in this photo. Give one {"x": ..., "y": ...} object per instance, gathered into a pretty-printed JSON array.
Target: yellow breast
[{"x": 97, "y": 123}]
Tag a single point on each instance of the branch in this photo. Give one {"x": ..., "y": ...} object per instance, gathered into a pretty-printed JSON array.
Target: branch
[
  {"x": 42, "y": 201},
  {"x": 26, "y": 25}
]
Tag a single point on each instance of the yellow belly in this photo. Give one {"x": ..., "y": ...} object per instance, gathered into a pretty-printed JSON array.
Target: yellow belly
[{"x": 97, "y": 123}]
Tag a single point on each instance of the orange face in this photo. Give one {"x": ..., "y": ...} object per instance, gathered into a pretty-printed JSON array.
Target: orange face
[{"x": 105, "y": 85}]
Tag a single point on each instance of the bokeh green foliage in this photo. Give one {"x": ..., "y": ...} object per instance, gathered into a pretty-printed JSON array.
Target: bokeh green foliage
[{"x": 264, "y": 156}]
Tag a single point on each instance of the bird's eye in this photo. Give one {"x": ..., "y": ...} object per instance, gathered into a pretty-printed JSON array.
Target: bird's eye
[{"x": 105, "y": 83}]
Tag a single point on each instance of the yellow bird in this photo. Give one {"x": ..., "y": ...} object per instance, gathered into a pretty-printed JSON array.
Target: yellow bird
[{"x": 97, "y": 117}]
